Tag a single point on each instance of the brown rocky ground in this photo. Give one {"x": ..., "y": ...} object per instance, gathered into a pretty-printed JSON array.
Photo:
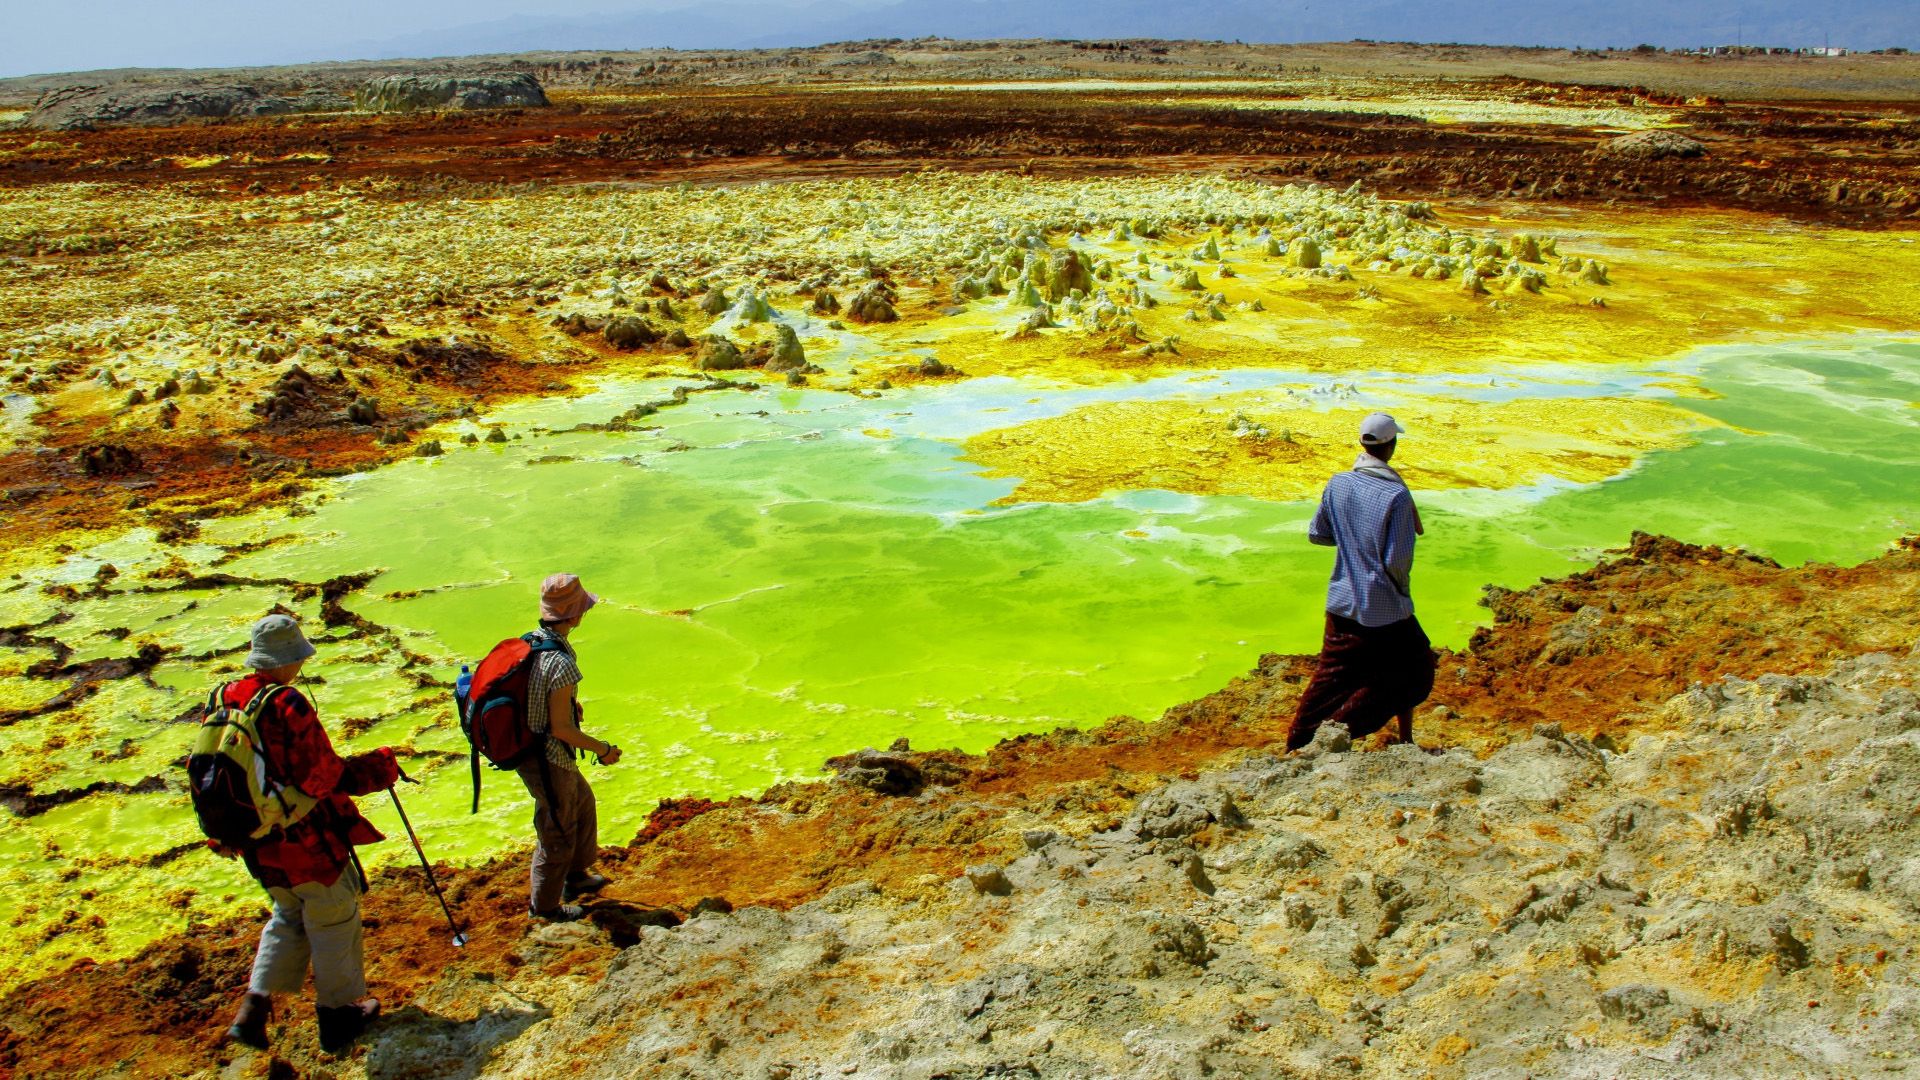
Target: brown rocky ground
[
  {"x": 1618, "y": 866},
  {"x": 1842, "y": 163}
]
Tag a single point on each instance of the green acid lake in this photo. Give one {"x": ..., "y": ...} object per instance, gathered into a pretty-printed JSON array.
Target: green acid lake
[{"x": 782, "y": 585}]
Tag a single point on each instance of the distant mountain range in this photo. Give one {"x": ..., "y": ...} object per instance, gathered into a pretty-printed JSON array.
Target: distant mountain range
[{"x": 1854, "y": 24}]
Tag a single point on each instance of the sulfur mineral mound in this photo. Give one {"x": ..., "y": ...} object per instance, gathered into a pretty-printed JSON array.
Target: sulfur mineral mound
[
  {"x": 1067, "y": 271},
  {"x": 750, "y": 307},
  {"x": 411, "y": 93}
]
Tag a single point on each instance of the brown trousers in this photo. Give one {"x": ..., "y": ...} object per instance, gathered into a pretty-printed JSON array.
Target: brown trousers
[
  {"x": 1367, "y": 676},
  {"x": 566, "y": 829}
]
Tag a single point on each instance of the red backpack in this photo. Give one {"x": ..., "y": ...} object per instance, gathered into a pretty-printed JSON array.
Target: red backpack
[{"x": 493, "y": 710}]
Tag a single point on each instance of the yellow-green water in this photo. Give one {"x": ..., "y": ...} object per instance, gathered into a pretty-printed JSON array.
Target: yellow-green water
[{"x": 783, "y": 583}]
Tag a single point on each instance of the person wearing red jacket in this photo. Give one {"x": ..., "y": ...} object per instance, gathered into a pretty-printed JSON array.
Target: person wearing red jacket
[{"x": 307, "y": 868}]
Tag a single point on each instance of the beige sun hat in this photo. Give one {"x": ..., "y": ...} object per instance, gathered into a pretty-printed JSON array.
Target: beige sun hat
[{"x": 562, "y": 597}]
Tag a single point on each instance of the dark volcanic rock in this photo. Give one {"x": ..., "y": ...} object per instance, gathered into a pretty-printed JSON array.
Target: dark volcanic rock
[
  {"x": 408, "y": 93},
  {"x": 108, "y": 459},
  {"x": 895, "y": 771},
  {"x": 629, "y": 332},
  {"x": 1652, "y": 146}
]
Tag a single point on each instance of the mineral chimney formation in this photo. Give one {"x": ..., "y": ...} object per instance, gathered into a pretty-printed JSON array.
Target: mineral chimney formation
[
  {"x": 408, "y": 93},
  {"x": 788, "y": 355},
  {"x": 872, "y": 304},
  {"x": 1067, "y": 270}
]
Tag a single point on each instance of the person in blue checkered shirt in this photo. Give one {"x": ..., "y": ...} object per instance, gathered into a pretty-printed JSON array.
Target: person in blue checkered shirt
[{"x": 1375, "y": 662}]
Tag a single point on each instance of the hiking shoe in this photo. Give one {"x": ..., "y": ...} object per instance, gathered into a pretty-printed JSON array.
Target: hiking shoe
[
  {"x": 341, "y": 1025},
  {"x": 584, "y": 885},
  {"x": 563, "y": 913},
  {"x": 250, "y": 1023}
]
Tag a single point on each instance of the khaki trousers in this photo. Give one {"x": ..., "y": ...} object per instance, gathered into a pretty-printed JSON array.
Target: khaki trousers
[
  {"x": 566, "y": 829},
  {"x": 317, "y": 924}
]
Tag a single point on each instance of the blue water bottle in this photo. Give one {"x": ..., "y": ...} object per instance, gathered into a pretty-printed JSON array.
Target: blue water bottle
[{"x": 460, "y": 687}]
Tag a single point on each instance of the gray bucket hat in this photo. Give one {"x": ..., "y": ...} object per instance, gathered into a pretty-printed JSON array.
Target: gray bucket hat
[{"x": 277, "y": 642}]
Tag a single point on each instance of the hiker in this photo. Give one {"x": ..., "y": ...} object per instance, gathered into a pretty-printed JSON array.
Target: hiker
[
  {"x": 565, "y": 822},
  {"x": 308, "y": 867},
  {"x": 1375, "y": 662}
]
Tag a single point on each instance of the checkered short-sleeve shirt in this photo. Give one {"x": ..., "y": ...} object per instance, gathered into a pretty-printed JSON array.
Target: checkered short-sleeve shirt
[{"x": 551, "y": 669}]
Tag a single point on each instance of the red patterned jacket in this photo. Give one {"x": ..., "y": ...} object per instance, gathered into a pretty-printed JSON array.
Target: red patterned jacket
[{"x": 318, "y": 846}]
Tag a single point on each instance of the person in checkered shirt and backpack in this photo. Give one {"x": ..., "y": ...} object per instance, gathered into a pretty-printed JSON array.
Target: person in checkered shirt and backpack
[{"x": 566, "y": 820}]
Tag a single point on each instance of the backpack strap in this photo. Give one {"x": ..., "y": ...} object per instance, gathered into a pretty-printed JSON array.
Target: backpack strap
[
  {"x": 217, "y": 702},
  {"x": 538, "y": 642},
  {"x": 254, "y": 708},
  {"x": 260, "y": 695}
]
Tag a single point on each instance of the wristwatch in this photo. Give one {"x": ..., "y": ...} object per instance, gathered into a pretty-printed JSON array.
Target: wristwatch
[{"x": 601, "y": 757}]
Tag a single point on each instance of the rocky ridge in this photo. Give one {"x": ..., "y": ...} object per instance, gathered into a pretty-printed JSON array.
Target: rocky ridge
[
  {"x": 90, "y": 107},
  {"x": 1737, "y": 899},
  {"x": 87, "y": 107}
]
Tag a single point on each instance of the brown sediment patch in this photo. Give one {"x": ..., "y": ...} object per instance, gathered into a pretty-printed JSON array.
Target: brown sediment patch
[
  {"x": 25, "y": 802},
  {"x": 672, "y": 814},
  {"x": 84, "y": 680},
  {"x": 1674, "y": 614}
]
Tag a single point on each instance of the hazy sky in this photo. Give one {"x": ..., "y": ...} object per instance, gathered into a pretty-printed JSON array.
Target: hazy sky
[{"x": 79, "y": 35}]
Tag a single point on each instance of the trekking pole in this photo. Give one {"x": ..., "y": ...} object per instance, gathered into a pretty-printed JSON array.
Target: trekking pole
[{"x": 459, "y": 939}]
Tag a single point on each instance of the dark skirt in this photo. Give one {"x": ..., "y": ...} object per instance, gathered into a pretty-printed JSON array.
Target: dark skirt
[{"x": 1367, "y": 676}]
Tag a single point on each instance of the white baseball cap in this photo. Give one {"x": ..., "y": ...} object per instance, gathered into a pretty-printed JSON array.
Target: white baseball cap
[{"x": 1379, "y": 428}]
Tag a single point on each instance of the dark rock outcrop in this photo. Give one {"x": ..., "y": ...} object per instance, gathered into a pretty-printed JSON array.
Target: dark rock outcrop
[
  {"x": 83, "y": 108},
  {"x": 411, "y": 93}
]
